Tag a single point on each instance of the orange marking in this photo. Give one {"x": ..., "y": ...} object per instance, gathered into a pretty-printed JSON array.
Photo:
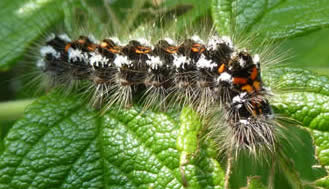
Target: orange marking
[
  {"x": 196, "y": 47},
  {"x": 114, "y": 50},
  {"x": 171, "y": 49},
  {"x": 240, "y": 80},
  {"x": 142, "y": 50},
  {"x": 103, "y": 45},
  {"x": 254, "y": 73},
  {"x": 67, "y": 46},
  {"x": 247, "y": 88},
  {"x": 256, "y": 85},
  {"x": 92, "y": 47},
  {"x": 221, "y": 68}
]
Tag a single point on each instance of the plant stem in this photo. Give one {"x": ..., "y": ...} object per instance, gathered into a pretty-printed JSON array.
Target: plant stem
[{"x": 13, "y": 110}]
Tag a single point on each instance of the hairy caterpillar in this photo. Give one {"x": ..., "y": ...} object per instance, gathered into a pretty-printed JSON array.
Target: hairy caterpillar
[
  {"x": 200, "y": 74},
  {"x": 233, "y": 101}
]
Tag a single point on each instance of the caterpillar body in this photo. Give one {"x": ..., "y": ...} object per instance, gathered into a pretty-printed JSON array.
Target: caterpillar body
[{"x": 203, "y": 74}]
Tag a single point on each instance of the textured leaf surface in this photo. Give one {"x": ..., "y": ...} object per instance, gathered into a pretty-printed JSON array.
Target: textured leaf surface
[
  {"x": 292, "y": 17},
  {"x": 65, "y": 145},
  {"x": 296, "y": 79},
  {"x": 322, "y": 143},
  {"x": 21, "y": 22},
  {"x": 303, "y": 95},
  {"x": 276, "y": 19},
  {"x": 309, "y": 108},
  {"x": 222, "y": 14}
]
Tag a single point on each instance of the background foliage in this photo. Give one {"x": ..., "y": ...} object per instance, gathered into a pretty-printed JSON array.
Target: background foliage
[{"x": 65, "y": 144}]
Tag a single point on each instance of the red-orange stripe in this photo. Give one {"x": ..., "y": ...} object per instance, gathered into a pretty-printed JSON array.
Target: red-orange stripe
[
  {"x": 240, "y": 80},
  {"x": 254, "y": 73}
]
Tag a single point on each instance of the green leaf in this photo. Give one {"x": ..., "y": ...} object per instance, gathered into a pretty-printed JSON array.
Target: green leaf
[
  {"x": 222, "y": 15},
  {"x": 291, "y": 168},
  {"x": 22, "y": 22},
  {"x": 300, "y": 165},
  {"x": 321, "y": 140},
  {"x": 196, "y": 9},
  {"x": 303, "y": 96},
  {"x": 187, "y": 140},
  {"x": 276, "y": 19},
  {"x": 296, "y": 79},
  {"x": 66, "y": 145},
  {"x": 311, "y": 109},
  {"x": 193, "y": 154},
  {"x": 316, "y": 58},
  {"x": 308, "y": 97},
  {"x": 255, "y": 183},
  {"x": 290, "y": 18}
]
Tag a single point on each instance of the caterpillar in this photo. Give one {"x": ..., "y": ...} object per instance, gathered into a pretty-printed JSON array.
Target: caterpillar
[{"x": 193, "y": 72}]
